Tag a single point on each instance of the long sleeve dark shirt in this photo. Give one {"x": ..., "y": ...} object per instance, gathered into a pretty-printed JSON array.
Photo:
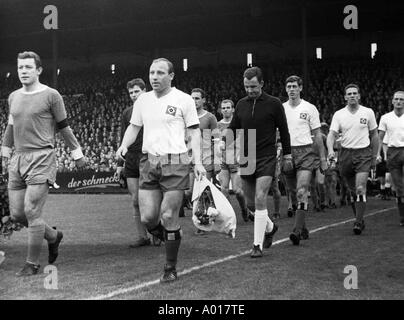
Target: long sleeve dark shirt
[
  {"x": 264, "y": 114},
  {"x": 136, "y": 147}
]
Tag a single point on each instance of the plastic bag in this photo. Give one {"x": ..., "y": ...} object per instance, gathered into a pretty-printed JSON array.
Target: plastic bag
[{"x": 211, "y": 210}]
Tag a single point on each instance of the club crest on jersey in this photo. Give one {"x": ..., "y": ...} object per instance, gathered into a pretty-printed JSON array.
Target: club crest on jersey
[
  {"x": 303, "y": 116},
  {"x": 363, "y": 120},
  {"x": 171, "y": 110}
]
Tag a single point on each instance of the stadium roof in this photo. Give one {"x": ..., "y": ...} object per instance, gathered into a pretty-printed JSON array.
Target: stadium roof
[{"x": 96, "y": 26}]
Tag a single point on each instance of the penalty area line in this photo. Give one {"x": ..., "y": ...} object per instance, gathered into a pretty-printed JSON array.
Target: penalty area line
[{"x": 218, "y": 261}]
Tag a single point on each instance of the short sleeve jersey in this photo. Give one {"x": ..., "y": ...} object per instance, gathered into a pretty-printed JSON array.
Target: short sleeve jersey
[
  {"x": 34, "y": 116},
  {"x": 354, "y": 127},
  {"x": 301, "y": 120},
  {"x": 164, "y": 120},
  {"x": 394, "y": 128}
]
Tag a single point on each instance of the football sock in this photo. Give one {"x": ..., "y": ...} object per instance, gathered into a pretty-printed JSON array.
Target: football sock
[
  {"x": 50, "y": 234},
  {"x": 360, "y": 206},
  {"x": 321, "y": 190},
  {"x": 300, "y": 216},
  {"x": 270, "y": 225},
  {"x": 172, "y": 239},
  {"x": 260, "y": 224},
  {"x": 400, "y": 205},
  {"x": 277, "y": 202},
  {"x": 351, "y": 201},
  {"x": 251, "y": 208},
  {"x": 36, "y": 235}
]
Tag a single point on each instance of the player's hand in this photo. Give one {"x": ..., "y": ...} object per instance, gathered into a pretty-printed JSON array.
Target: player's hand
[
  {"x": 379, "y": 159},
  {"x": 119, "y": 171},
  {"x": 222, "y": 145},
  {"x": 199, "y": 171},
  {"x": 121, "y": 152},
  {"x": 331, "y": 157},
  {"x": 323, "y": 166},
  {"x": 287, "y": 163},
  {"x": 80, "y": 163},
  {"x": 374, "y": 163}
]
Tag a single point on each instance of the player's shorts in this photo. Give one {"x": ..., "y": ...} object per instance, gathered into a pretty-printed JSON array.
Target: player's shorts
[
  {"x": 166, "y": 173},
  {"x": 232, "y": 168},
  {"x": 210, "y": 168},
  {"x": 352, "y": 161},
  {"x": 131, "y": 169},
  {"x": 32, "y": 167},
  {"x": 395, "y": 162},
  {"x": 395, "y": 158},
  {"x": 304, "y": 158},
  {"x": 261, "y": 167}
]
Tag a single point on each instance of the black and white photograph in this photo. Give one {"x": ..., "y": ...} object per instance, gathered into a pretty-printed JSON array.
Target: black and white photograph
[{"x": 202, "y": 156}]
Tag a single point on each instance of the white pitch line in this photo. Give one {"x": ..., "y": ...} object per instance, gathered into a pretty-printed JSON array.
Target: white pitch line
[{"x": 215, "y": 262}]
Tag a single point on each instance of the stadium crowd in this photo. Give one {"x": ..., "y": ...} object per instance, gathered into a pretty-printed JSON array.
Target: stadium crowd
[{"x": 95, "y": 99}]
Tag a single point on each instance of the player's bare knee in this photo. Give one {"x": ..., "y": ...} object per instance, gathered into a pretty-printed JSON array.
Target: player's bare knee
[
  {"x": 301, "y": 194},
  {"x": 31, "y": 211},
  {"x": 360, "y": 190},
  {"x": 145, "y": 220},
  {"x": 167, "y": 217}
]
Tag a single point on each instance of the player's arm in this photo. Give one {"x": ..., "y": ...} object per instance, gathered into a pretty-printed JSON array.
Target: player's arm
[
  {"x": 120, "y": 162},
  {"x": 195, "y": 135},
  {"x": 231, "y": 130},
  {"x": 374, "y": 142},
  {"x": 374, "y": 137},
  {"x": 129, "y": 138},
  {"x": 71, "y": 142},
  {"x": 318, "y": 140},
  {"x": 282, "y": 125},
  {"x": 382, "y": 134},
  {"x": 332, "y": 136},
  {"x": 59, "y": 113},
  {"x": 216, "y": 135},
  {"x": 133, "y": 129}
]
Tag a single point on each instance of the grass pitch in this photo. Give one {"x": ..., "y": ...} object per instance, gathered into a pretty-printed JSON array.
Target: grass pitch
[{"x": 95, "y": 259}]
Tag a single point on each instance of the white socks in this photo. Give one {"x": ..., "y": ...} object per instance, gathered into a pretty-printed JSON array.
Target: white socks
[{"x": 262, "y": 224}]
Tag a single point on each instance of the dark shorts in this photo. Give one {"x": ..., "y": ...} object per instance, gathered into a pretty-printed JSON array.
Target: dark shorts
[
  {"x": 209, "y": 168},
  {"x": 132, "y": 160},
  {"x": 165, "y": 173},
  {"x": 232, "y": 168},
  {"x": 395, "y": 162},
  {"x": 304, "y": 158},
  {"x": 395, "y": 158},
  {"x": 261, "y": 167},
  {"x": 353, "y": 161},
  {"x": 30, "y": 168}
]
